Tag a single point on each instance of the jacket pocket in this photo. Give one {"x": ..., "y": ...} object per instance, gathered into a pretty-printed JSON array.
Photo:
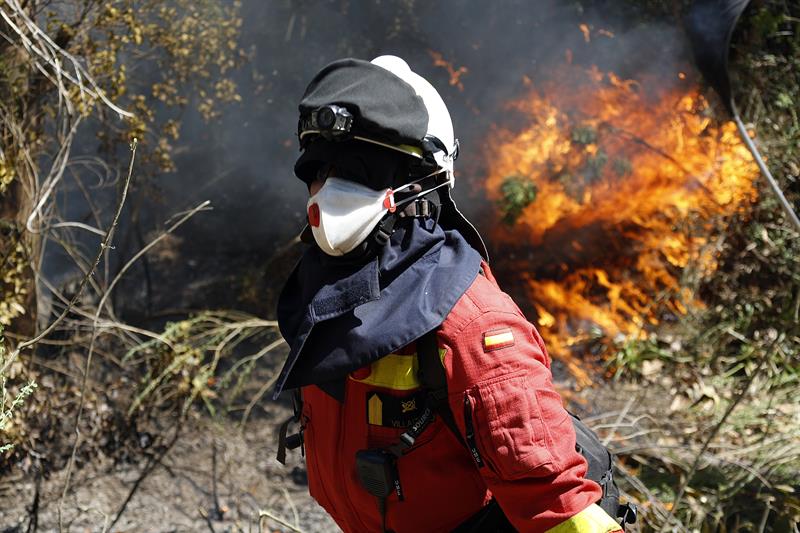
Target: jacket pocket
[{"x": 510, "y": 428}]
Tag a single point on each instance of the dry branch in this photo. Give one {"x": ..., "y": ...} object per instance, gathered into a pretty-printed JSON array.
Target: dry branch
[
  {"x": 49, "y": 58},
  {"x": 103, "y": 245}
]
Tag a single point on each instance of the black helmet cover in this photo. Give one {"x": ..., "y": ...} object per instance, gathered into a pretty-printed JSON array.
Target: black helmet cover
[{"x": 383, "y": 106}]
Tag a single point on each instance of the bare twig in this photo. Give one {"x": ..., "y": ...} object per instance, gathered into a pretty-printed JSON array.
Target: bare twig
[
  {"x": 763, "y": 524},
  {"x": 292, "y": 506},
  {"x": 264, "y": 388},
  {"x": 103, "y": 245},
  {"x": 620, "y": 418},
  {"x": 214, "y": 490},
  {"x": 205, "y": 515},
  {"x": 152, "y": 463},
  {"x": 262, "y": 514},
  {"x": 49, "y": 185},
  {"x": 78, "y": 225}
]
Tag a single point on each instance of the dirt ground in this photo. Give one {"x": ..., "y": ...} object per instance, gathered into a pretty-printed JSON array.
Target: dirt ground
[{"x": 214, "y": 478}]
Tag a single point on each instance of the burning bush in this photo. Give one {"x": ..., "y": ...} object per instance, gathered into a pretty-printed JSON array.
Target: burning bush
[{"x": 632, "y": 181}]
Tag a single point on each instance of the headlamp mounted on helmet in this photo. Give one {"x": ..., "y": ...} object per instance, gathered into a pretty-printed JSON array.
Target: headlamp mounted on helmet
[
  {"x": 329, "y": 121},
  {"x": 335, "y": 123}
]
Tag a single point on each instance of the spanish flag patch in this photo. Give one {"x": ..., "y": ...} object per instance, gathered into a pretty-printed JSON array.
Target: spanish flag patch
[{"x": 497, "y": 338}]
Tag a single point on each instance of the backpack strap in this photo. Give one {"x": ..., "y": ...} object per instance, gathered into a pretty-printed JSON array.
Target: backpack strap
[
  {"x": 434, "y": 380},
  {"x": 295, "y": 440}
]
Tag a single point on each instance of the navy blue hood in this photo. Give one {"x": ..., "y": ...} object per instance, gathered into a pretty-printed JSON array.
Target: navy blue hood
[{"x": 338, "y": 316}]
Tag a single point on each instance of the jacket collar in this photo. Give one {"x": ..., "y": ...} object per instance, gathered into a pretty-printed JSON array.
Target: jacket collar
[{"x": 337, "y": 317}]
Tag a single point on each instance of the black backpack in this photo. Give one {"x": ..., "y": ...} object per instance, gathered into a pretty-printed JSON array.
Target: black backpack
[{"x": 599, "y": 458}]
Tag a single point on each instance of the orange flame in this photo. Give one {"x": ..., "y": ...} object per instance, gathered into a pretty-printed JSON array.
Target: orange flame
[
  {"x": 455, "y": 73},
  {"x": 585, "y": 31},
  {"x": 629, "y": 179}
]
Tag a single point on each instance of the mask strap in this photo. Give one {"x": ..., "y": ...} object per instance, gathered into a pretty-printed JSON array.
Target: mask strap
[
  {"x": 410, "y": 183},
  {"x": 383, "y": 231},
  {"x": 420, "y": 194},
  {"x": 389, "y": 201}
]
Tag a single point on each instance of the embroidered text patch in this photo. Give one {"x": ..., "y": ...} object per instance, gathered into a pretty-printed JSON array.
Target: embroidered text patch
[{"x": 394, "y": 411}]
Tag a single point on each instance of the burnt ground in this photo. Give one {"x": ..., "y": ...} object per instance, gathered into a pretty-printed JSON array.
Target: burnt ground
[{"x": 214, "y": 478}]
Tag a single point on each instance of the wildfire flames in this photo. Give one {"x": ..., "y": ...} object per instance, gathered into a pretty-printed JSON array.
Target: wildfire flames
[
  {"x": 455, "y": 73},
  {"x": 611, "y": 188}
]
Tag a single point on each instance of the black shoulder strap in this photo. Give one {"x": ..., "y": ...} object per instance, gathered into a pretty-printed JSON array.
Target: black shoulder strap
[
  {"x": 290, "y": 441},
  {"x": 431, "y": 370},
  {"x": 433, "y": 378}
]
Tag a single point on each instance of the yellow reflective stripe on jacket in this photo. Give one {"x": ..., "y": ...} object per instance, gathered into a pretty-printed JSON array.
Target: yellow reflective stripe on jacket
[
  {"x": 591, "y": 520},
  {"x": 397, "y": 372}
]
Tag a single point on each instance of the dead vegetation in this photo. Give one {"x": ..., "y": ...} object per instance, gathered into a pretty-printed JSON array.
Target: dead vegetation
[{"x": 78, "y": 384}]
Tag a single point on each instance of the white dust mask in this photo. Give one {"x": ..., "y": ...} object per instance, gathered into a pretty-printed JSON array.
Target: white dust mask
[{"x": 343, "y": 213}]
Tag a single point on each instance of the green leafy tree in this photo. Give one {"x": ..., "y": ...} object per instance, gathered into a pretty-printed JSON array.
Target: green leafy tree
[{"x": 517, "y": 193}]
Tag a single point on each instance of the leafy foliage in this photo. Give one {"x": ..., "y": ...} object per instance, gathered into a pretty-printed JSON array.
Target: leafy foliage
[
  {"x": 187, "y": 47},
  {"x": 14, "y": 286},
  {"x": 584, "y": 135},
  {"x": 518, "y": 192},
  {"x": 10, "y": 402}
]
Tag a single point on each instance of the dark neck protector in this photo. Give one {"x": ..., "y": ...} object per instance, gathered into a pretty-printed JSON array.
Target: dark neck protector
[{"x": 338, "y": 316}]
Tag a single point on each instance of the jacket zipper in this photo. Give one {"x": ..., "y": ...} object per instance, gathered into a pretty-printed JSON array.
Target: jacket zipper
[{"x": 470, "y": 432}]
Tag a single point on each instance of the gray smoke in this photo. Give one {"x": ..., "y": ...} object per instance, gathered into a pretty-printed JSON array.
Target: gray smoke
[{"x": 243, "y": 164}]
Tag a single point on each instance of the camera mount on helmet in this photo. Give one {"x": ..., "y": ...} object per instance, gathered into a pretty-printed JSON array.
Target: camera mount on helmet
[
  {"x": 329, "y": 121},
  {"x": 335, "y": 123}
]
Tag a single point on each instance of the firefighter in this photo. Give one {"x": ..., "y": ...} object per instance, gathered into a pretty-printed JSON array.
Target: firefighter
[{"x": 424, "y": 397}]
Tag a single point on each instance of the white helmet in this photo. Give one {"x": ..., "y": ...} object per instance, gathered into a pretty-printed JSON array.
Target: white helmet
[{"x": 440, "y": 126}]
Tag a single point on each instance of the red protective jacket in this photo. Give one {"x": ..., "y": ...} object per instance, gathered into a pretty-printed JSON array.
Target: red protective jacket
[{"x": 498, "y": 380}]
